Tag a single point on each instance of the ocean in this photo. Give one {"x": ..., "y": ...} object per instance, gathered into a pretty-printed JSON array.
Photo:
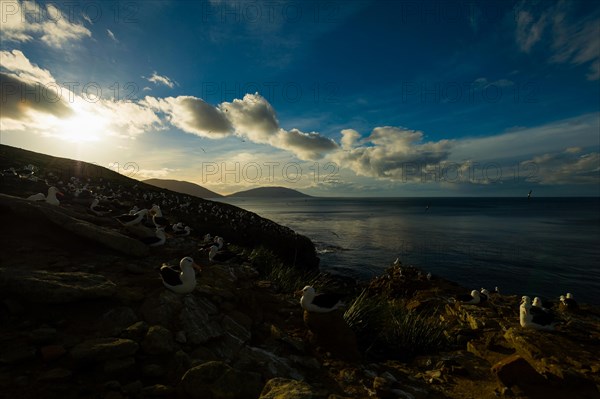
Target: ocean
[{"x": 538, "y": 247}]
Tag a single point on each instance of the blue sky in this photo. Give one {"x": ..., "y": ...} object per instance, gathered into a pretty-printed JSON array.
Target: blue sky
[{"x": 332, "y": 98}]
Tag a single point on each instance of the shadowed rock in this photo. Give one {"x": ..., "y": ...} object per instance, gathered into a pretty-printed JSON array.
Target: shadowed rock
[
  {"x": 60, "y": 287},
  {"x": 24, "y": 212},
  {"x": 102, "y": 349},
  {"x": 331, "y": 332},
  {"x": 217, "y": 380}
]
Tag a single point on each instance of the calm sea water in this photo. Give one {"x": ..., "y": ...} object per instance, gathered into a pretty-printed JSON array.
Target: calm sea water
[{"x": 541, "y": 247}]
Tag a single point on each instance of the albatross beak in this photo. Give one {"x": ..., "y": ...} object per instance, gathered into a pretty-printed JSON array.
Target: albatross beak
[
  {"x": 197, "y": 267},
  {"x": 298, "y": 293}
]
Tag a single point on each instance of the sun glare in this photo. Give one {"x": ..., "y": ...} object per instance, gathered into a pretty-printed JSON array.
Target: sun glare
[{"x": 83, "y": 127}]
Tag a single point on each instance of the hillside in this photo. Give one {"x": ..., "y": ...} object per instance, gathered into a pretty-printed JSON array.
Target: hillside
[
  {"x": 79, "y": 181},
  {"x": 183, "y": 187},
  {"x": 269, "y": 192}
]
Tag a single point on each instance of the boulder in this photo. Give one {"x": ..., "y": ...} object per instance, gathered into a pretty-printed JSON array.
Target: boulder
[
  {"x": 514, "y": 370},
  {"x": 117, "y": 319},
  {"x": 136, "y": 331},
  {"x": 158, "y": 341},
  {"x": 217, "y": 380},
  {"x": 196, "y": 321},
  {"x": 54, "y": 287},
  {"x": 103, "y": 349},
  {"x": 234, "y": 337},
  {"x": 331, "y": 332},
  {"x": 283, "y": 388},
  {"x": 161, "y": 307},
  {"x": 269, "y": 364}
]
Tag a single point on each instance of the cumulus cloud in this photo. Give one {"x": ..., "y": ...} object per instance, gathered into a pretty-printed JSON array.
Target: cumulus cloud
[
  {"x": 389, "y": 152},
  {"x": 158, "y": 79},
  {"x": 192, "y": 115},
  {"x": 253, "y": 117},
  {"x": 126, "y": 118},
  {"x": 27, "y": 88},
  {"x": 572, "y": 39},
  {"x": 24, "y": 21},
  {"x": 349, "y": 137},
  {"x": 19, "y": 98},
  {"x": 305, "y": 145},
  {"x": 31, "y": 99}
]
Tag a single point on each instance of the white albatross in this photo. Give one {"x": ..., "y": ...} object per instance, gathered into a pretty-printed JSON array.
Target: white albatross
[
  {"x": 474, "y": 298},
  {"x": 50, "y": 198},
  {"x": 319, "y": 303},
  {"x": 181, "y": 281},
  {"x": 131, "y": 220},
  {"x": 534, "y": 317}
]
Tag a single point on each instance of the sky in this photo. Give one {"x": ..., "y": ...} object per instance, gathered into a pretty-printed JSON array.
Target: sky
[{"x": 332, "y": 98}]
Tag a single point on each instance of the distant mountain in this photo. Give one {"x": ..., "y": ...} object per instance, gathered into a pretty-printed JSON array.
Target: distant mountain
[
  {"x": 269, "y": 192},
  {"x": 183, "y": 187}
]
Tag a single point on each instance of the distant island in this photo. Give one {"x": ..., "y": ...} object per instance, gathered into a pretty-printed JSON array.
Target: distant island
[
  {"x": 269, "y": 192},
  {"x": 196, "y": 190},
  {"x": 183, "y": 187}
]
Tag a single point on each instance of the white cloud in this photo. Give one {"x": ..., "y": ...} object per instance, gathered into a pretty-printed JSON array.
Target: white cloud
[
  {"x": 24, "y": 21},
  {"x": 349, "y": 137},
  {"x": 529, "y": 29},
  {"x": 16, "y": 62},
  {"x": 388, "y": 151},
  {"x": 112, "y": 35},
  {"x": 26, "y": 90},
  {"x": 252, "y": 117},
  {"x": 572, "y": 39},
  {"x": 126, "y": 118},
  {"x": 32, "y": 100},
  {"x": 192, "y": 115},
  {"x": 304, "y": 145},
  {"x": 580, "y": 131},
  {"x": 158, "y": 79},
  {"x": 154, "y": 173},
  {"x": 565, "y": 167}
]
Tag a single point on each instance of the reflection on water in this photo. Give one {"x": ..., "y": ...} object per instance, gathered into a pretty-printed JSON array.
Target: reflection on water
[{"x": 544, "y": 247}]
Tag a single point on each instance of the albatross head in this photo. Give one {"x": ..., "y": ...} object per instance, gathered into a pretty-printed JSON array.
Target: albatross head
[
  {"x": 188, "y": 263},
  {"x": 525, "y": 301},
  {"x": 308, "y": 294},
  {"x": 52, "y": 191},
  {"x": 537, "y": 302}
]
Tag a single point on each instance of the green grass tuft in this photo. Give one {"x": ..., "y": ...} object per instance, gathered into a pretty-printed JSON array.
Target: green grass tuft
[
  {"x": 387, "y": 328},
  {"x": 287, "y": 278}
]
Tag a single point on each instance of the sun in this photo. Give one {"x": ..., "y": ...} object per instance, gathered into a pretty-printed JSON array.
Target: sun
[{"x": 82, "y": 127}]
